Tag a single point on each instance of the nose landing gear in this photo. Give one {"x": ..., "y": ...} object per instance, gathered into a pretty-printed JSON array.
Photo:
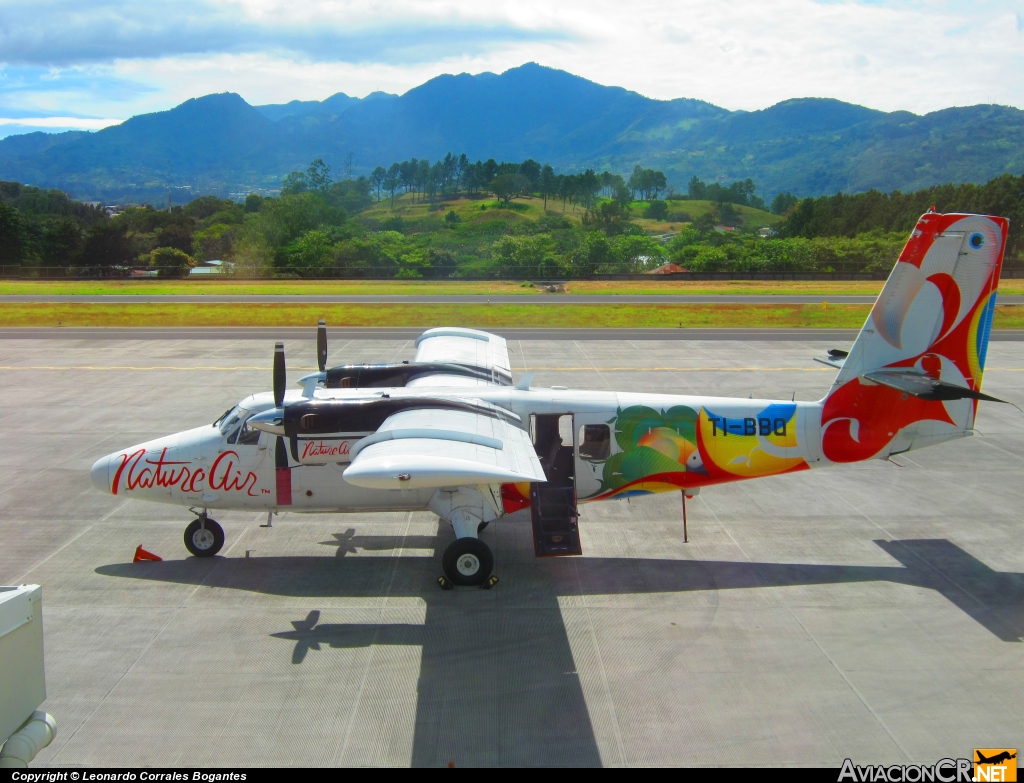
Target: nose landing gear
[{"x": 204, "y": 537}]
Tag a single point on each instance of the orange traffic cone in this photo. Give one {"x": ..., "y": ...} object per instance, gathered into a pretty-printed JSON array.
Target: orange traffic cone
[{"x": 142, "y": 554}]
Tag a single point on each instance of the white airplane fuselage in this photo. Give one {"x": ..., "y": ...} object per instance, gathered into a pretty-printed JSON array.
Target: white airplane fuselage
[{"x": 200, "y": 468}]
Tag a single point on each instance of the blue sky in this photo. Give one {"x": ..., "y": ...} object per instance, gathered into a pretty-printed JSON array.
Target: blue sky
[{"x": 65, "y": 63}]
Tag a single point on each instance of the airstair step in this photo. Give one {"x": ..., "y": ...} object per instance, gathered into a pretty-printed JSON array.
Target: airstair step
[{"x": 555, "y": 521}]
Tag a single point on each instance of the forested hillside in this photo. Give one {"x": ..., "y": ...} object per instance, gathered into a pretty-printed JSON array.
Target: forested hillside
[
  {"x": 457, "y": 219},
  {"x": 220, "y": 145}
]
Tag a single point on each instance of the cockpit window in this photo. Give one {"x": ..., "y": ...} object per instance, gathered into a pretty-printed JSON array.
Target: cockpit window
[
  {"x": 248, "y": 436},
  {"x": 231, "y": 418}
]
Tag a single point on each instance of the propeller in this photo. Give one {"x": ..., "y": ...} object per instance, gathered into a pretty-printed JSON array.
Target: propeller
[
  {"x": 281, "y": 454},
  {"x": 282, "y": 471},
  {"x": 279, "y": 375},
  {"x": 321, "y": 344}
]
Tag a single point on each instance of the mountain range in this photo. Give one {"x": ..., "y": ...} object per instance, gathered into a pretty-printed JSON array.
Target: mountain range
[{"x": 810, "y": 146}]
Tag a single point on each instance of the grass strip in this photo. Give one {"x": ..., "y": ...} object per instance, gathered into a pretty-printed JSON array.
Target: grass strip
[
  {"x": 229, "y": 286},
  {"x": 474, "y": 315}
]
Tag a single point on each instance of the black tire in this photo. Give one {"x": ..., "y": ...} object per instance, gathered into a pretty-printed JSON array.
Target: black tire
[
  {"x": 463, "y": 556},
  {"x": 204, "y": 542}
]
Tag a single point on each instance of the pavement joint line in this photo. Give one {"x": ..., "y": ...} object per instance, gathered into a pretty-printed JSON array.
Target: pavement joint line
[
  {"x": 395, "y": 558},
  {"x": 604, "y": 672},
  {"x": 773, "y": 592},
  {"x": 838, "y": 669},
  {"x": 242, "y": 692},
  {"x": 21, "y": 579},
  {"x": 67, "y": 743},
  {"x": 982, "y": 439}
]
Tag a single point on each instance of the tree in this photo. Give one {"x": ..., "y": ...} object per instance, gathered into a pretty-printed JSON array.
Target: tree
[
  {"x": 638, "y": 252},
  {"x": 508, "y": 186},
  {"x": 60, "y": 242},
  {"x": 171, "y": 262},
  {"x": 595, "y": 251},
  {"x": 294, "y": 184},
  {"x": 531, "y": 169},
  {"x": 658, "y": 210},
  {"x": 407, "y": 174},
  {"x": 636, "y": 181},
  {"x": 548, "y": 184},
  {"x": 318, "y": 175},
  {"x": 107, "y": 250},
  {"x": 391, "y": 185},
  {"x": 253, "y": 202},
  {"x": 311, "y": 252},
  {"x": 13, "y": 236},
  {"x": 520, "y": 256},
  {"x": 696, "y": 188},
  {"x": 783, "y": 202},
  {"x": 622, "y": 195},
  {"x": 377, "y": 179},
  {"x": 587, "y": 186},
  {"x": 177, "y": 235},
  {"x": 728, "y": 215},
  {"x": 488, "y": 170},
  {"x": 610, "y": 216}
]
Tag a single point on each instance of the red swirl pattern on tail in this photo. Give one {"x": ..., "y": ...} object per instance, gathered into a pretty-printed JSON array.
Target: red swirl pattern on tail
[{"x": 933, "y": 317}]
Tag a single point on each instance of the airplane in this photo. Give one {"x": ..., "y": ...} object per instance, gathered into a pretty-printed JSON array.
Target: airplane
[
  {"x": 996, "y": 759},
  {"x": 452, "y": 432}
]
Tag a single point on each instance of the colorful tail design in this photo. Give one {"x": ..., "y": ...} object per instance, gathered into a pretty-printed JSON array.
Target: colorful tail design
[{"x": 931, "y": 323}]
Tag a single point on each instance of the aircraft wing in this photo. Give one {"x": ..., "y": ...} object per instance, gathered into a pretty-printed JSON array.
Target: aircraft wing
[
  {"x": 467, "y": 347},
  {"x": 414, "y": 449}
]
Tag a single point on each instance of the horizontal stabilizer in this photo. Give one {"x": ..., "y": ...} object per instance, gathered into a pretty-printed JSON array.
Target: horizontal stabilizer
[{"x": 924, "y": 387}]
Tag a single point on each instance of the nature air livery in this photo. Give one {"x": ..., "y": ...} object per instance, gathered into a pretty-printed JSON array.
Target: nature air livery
[{"x": 451, "y": 432}]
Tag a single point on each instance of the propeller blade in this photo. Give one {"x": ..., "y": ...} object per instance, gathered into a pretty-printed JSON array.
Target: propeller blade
[
  {"x": 282, "y": 474},
  {"x": 280, "y": 375},
  {"x": 321, "y": 344},
  {"x": 281, "y": 455}
]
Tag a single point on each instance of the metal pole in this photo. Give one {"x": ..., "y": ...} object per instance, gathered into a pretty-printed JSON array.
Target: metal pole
[{"x": 686, "y": 538}]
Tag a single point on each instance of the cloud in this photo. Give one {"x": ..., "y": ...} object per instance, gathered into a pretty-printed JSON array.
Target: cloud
[
  {"x": 113, "y": 58},
  {"x": 76, "y": 123},
  {"x": 59, "y": 33}
]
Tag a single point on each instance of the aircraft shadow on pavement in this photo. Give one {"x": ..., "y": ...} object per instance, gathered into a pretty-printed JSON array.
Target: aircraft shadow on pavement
[{"x": 498, "y": 683}]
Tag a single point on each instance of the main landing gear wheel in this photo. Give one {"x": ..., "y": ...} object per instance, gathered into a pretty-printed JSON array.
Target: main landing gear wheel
[
  {"x": 467, "y": 562},
  {"x": 204, "y": 538}
]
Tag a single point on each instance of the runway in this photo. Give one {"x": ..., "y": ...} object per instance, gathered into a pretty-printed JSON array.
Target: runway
[
  {"x": 867, "y": 611},
  {"x": 412, "y": 332}
]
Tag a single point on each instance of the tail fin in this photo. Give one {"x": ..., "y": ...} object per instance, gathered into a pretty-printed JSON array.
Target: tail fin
[{"x": 913, "y": 376}]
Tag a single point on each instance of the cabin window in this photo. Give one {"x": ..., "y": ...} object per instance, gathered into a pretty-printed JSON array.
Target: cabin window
[{"x": 595, "y": 442}]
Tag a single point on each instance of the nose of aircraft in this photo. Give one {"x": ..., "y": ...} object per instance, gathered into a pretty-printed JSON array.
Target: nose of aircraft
[{"x": 100, "y": 474}]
